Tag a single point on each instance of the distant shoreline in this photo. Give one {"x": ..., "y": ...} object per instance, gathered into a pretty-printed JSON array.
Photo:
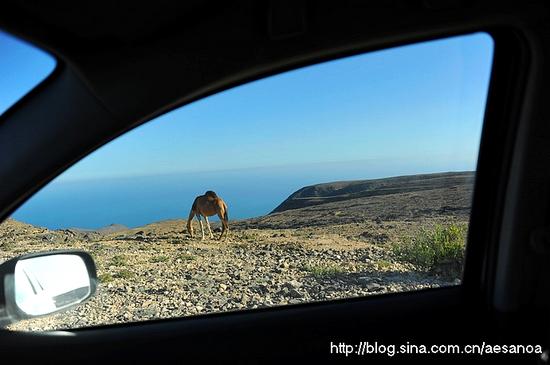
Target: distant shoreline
[{"x": 325, "y": 193}]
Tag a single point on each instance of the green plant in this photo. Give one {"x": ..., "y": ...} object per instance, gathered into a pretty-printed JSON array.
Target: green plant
[
  {"x": 161, "y": 258},
  {"x": 248, "y": 236},
  {"x": 186, "y": 257},
  {"x": 321, "y": 270},
  {"x": 105, "y": 278},
  {"x": 383, "y": 264},
  {"x": 118, "y": 260},
  {"x": 440, "y": 249},
  {"x": 123, "y": 274},
  {"x": 96, "y": 252},
  {"x": 7, "y": 246}
]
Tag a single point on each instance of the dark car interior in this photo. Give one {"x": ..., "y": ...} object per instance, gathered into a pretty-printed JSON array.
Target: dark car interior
[{"x": 121, "y": 64}]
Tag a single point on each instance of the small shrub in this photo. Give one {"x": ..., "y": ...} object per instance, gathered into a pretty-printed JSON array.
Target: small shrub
[
  {"x": 240, "y": 245},
  {"x": 158, "y": 259},
  {"x": 96, "y": 252},
  {"x": 118, "y": 260},
  {"x": 249, "y": 236},
  {"x": 123, "y": 274},
  {"x": 7, "y": 246},
  {"x": 322, "y": 270},
  {"x": 186, "y": 257},
  {"x": 383, "y": 264},
  {"x": 440, "y": 249},
  {"x": 105, "y": 278}
]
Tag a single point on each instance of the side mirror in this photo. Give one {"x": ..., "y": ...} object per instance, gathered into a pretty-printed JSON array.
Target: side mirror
[{"x": 39, "y": 284}]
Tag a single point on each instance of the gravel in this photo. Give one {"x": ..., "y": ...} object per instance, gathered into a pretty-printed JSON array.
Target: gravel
[{"x": 157, "y": 271}]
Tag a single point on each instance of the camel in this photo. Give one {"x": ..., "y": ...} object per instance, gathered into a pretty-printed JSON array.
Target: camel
[{"x": 208, "y": 205}]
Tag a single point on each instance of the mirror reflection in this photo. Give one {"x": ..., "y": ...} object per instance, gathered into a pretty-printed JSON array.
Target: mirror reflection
[{"x": 47, "y": 284}]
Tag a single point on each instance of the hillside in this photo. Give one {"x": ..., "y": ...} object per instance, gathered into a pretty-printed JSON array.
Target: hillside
[
  {"x": 404, "y": 198},
  {"x": 347, "y": 190}
]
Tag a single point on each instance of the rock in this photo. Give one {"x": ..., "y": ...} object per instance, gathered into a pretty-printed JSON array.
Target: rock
[
  {"x": 378, "y": 238},
  {"x": 293, "y": 284},
  {"x": 48, "y": 237},
  {"x": 261, "y": 288},
  {"x": 295, "y": 293},
  {"x": 374, "y": 287}
]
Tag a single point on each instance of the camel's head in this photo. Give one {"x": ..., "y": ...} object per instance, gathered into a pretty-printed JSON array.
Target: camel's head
[{"x": 210, "y": 194}]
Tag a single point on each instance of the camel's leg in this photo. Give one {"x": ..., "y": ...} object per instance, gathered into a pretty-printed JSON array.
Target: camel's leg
[
  {"x": 202, "y": 227},
  {"x": 189, "y": 223},
  {"x": 225, "y": 226},
  {"x": 208, "y": 225}
]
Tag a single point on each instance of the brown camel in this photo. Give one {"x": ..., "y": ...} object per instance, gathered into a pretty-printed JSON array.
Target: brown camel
[{"x": 207, "y": 205}]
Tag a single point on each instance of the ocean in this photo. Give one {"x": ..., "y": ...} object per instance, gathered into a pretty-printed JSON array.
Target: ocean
[{"x": 139, "y": 200}]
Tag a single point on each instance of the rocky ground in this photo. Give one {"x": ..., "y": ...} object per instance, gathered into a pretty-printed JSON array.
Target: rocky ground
[{"x": 157, "y": 271}]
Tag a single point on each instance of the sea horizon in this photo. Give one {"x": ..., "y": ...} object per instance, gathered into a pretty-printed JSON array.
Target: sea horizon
[{"x": 135, "y": 201}]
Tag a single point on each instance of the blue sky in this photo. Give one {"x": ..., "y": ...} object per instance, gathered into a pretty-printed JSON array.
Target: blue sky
[
  {"x": 409, "y": 105},
  {"x": 402, "y": 111},
  {"x": 22, "y": 67}
]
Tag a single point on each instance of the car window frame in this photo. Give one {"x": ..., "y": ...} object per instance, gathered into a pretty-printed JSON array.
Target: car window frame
[{"x": 511, "y": 54}]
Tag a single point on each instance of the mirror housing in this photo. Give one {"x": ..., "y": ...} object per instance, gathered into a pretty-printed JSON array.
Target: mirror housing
[{"x": 39, "y": 284}]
